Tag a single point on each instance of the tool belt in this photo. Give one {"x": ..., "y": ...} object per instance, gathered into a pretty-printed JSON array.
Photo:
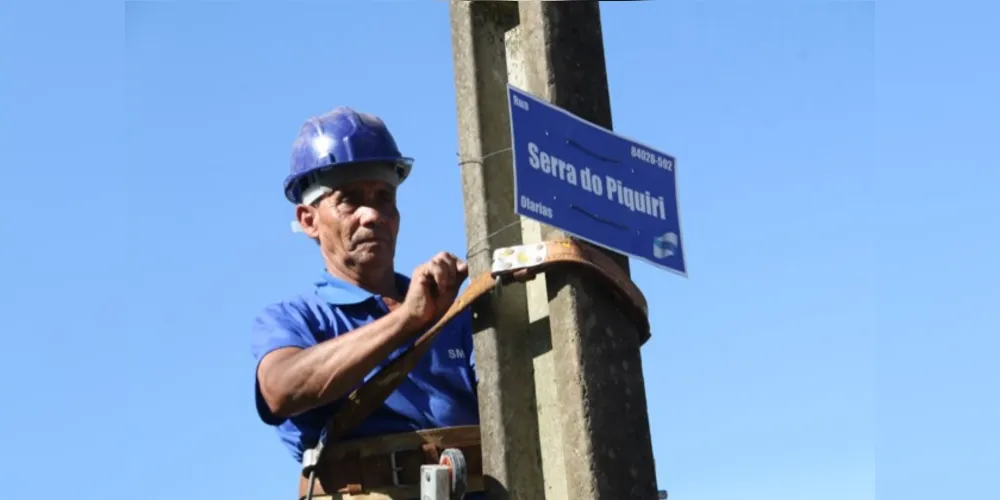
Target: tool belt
[
  {"x": 510, "y": 264},
  {"x": 388, "y": 467}
]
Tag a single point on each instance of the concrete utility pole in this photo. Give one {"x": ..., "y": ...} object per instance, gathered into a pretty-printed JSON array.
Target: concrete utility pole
[{"x": 561, "y": 391}]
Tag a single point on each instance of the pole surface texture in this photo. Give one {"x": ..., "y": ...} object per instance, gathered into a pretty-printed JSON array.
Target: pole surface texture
[
  {"x": 561, "y": 391},
  {"x": 510, "y": 440}
]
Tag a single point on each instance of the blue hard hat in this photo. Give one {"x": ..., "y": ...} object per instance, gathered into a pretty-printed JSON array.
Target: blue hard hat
[{"x": 338, "y": 138}]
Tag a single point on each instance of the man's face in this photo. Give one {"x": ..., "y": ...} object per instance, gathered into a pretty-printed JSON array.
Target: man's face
[{"x": 356, "y": 225}]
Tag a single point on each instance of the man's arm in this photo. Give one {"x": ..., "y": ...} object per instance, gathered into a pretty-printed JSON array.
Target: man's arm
[
  {"x": 296, "y": 375},
  {"x": 293, "y": 380}
]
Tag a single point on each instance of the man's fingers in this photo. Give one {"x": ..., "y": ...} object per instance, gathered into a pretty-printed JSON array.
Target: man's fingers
[
  {"x": 425, "y": 276},
  {"x": 446, "y": 259},
  {"x": 444, "y": 274},
  {"x": 460, "y": 267},
  {"x": 442, "y": 277}
]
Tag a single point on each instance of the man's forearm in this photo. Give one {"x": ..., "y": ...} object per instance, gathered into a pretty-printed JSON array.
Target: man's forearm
[{"x": 316, "y": 376}]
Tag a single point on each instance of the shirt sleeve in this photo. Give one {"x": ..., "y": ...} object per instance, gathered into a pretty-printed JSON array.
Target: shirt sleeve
[{"x": 276, "y": 327}]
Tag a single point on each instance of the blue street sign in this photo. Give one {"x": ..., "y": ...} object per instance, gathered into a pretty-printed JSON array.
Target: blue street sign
[{"x": 594, "y": 184}]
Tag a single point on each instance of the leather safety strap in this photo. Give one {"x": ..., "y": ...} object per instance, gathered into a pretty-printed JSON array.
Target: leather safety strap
[{"x": 510, "y": 264}]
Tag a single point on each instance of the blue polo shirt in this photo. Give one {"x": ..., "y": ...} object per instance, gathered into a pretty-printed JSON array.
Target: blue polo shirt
[{"x": 439, "y": 392}]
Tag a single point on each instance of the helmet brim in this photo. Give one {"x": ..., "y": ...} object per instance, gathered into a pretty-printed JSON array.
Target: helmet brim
[{"x": 294, "y": 184}]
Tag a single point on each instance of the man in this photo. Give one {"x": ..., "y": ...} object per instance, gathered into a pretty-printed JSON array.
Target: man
[{"x": 314, "y": 348}]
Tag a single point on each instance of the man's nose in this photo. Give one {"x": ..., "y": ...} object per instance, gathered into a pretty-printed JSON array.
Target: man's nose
[{"x": 369, "y": 216}]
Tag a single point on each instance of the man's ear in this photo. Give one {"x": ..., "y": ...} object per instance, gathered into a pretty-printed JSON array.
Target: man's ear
[{"x": 308, "y": 218}]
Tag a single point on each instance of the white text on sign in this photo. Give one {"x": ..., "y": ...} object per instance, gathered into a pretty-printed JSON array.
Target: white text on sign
[
  {"x": 652, "y": 158},
  {"x": 521, "y": 103},
  {"x": 633, "y": 199},
  {"x": 536, "y": 207}
]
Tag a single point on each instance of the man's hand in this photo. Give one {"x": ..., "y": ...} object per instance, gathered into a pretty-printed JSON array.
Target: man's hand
[{"x": 434, "y": 286}]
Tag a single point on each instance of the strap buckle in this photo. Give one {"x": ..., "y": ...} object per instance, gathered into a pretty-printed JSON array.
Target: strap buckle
[{"x": 396, "y": 469}]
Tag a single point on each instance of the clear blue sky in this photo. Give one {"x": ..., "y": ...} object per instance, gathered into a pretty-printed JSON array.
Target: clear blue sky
[{"x": 838, "y": 180}]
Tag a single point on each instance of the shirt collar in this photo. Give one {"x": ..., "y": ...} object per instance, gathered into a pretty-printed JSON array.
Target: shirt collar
[{"x": 339, "y": 292}]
